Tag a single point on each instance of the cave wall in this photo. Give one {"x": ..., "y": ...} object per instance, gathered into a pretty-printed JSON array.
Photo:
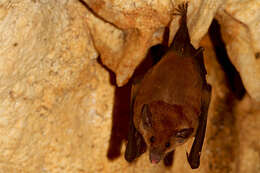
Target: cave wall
[{"x": 57, "y": 96}]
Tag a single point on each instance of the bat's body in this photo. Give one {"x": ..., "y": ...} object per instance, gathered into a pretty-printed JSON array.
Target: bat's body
[
  {"x": 171, "y": 102},
  {"x": 172, "y": 90},
  {"x": 175, "y": 81}
]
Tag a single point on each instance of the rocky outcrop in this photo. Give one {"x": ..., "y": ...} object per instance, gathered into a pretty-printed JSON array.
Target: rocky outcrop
[{"x": 57, "y": 100}]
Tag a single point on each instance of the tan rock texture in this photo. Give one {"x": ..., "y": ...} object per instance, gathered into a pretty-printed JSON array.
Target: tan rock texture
[
  {"x": 58, "y": 101},
  {"x": 140, "y": 25},
  {"x": 240, "y": 28}
]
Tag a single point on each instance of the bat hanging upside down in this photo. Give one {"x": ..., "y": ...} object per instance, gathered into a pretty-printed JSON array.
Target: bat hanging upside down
[{"x": 170, "y": 104}]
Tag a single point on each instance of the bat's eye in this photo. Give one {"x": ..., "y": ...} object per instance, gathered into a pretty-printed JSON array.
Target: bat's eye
[
  {"x": 167, "y": 145},
  {"x": 152, "y": 139},
  {"x": 184, "y": 133}
]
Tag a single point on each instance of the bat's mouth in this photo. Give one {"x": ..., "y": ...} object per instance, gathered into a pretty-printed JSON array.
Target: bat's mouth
[{"x": 155, "y": 157}]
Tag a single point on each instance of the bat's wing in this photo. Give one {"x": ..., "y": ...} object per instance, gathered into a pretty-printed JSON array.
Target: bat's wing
[
  {"x": 194, "y": 155},
  {"x": 181, "y": 45},
  {"x": 168, "y": 159},
  {"x": 136, "y": 144}
]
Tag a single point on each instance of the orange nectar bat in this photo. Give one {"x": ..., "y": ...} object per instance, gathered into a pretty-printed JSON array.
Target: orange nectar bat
[{"x": 170, "y": 103}]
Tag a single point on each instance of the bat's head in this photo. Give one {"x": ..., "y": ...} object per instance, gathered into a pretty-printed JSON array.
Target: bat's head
[{"x": 164, "y": 127}]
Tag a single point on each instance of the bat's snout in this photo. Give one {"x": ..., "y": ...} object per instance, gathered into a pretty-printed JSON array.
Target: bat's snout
[{"x": 155, "y": 157}]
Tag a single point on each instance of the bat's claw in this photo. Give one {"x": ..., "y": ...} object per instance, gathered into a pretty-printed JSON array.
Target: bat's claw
[{"x": 182, "y": 9}]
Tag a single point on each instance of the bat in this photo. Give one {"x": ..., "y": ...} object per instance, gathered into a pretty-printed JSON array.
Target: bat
[{"x": 170, "y": 102}]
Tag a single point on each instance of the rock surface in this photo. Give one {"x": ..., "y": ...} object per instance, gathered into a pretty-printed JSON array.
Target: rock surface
[
  {"x": 240, "y": 28},
  {"x": 57, "y": 100}
]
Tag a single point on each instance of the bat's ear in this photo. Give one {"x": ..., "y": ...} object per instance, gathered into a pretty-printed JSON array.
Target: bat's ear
[{"x": 146, "y": 116}]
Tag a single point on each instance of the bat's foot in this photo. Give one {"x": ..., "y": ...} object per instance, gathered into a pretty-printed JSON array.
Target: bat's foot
[{"x": 182, "y": 9}]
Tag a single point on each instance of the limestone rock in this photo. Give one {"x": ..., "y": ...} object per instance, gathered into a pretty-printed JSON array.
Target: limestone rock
[
  {"x": 57, "y": 100},
  {"x": 137, "y": 34},
  {"x": 142, "y": 23},
  {"x": 240, "y": 28}
]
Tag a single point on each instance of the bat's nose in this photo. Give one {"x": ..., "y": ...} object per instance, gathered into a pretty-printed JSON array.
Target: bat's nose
[{"x": 155, "y": 157}]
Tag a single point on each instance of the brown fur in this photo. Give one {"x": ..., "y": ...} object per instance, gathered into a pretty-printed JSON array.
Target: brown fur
[
  {"x": 171, "y": 102},
  {"x": 173, "y": 90}
]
